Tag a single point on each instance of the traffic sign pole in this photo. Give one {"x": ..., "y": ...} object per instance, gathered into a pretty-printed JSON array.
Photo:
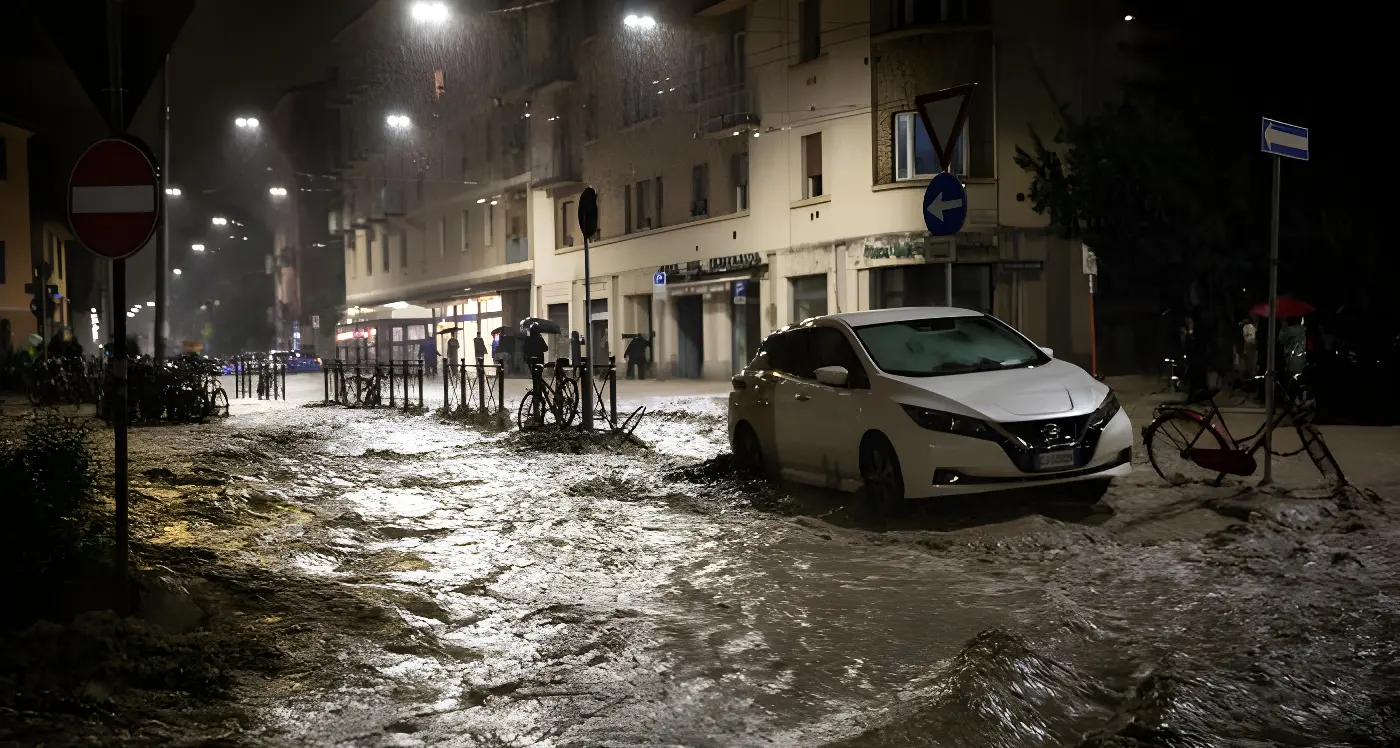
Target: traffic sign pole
[
  {"x": 1273, "y": 330},
  {"x": 588, "y": 224},
  {"x": 117, "y": 397},
  {"x": 1280, "y": 140}
]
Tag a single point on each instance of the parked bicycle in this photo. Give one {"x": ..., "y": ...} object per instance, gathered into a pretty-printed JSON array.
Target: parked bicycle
[
  {"x": 555, "y": 402},
  {"x": 1187, "y": 443},
  {"x": 360, "y": 390}
]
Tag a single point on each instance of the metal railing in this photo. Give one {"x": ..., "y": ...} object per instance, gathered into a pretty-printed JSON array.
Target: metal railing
[
  {"x": 472, "y": 387},
  {"x": 375, "y": 384},
  {"x": 261, "y": 378},
  {"x": 553, "y": 399}
]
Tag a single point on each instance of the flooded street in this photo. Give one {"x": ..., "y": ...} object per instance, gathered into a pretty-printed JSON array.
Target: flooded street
[{"x": 422, "y": 582}]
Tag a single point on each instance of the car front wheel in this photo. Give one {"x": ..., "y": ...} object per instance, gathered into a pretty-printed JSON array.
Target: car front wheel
[
  {"x": 748, "y": 451},
  {"x": 883, "y": 479}
]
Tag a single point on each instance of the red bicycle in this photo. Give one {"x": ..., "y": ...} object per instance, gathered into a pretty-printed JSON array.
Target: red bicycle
[{"x": 1188, "y": 444}]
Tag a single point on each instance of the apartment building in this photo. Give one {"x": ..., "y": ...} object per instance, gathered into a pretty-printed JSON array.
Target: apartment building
[
  {"x": 25, "y": 240},
  {"x": 440, "y": 182},
  {"x": 765, "y": 156}
]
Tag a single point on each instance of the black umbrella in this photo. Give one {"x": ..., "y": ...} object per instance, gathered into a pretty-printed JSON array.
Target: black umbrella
[
  {"x": 542, "y": 326},
  {"x": 505, "y": 332},
  {"x": 449, "y": 330}
]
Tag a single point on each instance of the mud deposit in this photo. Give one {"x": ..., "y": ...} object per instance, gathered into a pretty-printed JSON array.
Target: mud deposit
[{"x": 336, "y": 577}]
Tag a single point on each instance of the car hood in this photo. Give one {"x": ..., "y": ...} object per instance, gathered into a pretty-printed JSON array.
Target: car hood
[{"x": 1054, "y": 389}]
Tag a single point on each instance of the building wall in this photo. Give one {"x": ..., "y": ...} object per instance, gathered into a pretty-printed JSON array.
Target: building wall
[{"x": 15, "y": 233}]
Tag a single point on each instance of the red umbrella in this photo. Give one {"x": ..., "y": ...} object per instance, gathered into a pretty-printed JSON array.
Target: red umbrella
[{"x": 1288, "y": 308}]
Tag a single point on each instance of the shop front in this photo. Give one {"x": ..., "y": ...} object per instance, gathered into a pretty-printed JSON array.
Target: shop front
[{"x": 717, "y": 308}]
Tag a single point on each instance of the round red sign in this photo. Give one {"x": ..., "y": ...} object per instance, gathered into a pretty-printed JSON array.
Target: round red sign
[{"x": 114, "y": 198}]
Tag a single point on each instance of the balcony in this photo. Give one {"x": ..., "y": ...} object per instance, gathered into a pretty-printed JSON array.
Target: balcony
[
  {"x": 517, "y": 249},
  {"x": 555, "y": 70},
  {"x": 726, "y": 114},
  {"x": 556, "y": 164}
]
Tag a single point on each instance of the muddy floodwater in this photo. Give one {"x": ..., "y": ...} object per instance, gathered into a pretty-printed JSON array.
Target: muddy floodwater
[{"x": 410, "y": 581}]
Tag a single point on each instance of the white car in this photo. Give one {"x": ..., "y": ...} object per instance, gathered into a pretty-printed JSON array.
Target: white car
[{"x": 924, "y": 402}]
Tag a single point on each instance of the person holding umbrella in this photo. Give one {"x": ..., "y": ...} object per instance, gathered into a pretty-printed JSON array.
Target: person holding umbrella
[{"x": 452, "y": 348}]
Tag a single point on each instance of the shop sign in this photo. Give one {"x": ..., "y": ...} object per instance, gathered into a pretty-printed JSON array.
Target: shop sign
[
  {"x": 897, "y": 251},
  {"x": 1022, "y": 266},
  {"x": 735, "y": 262}
]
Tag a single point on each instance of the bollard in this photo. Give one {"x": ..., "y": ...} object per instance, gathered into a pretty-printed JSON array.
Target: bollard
[
  {"x": 284, "y": 381},
  {"x": 446, "y": 375}
]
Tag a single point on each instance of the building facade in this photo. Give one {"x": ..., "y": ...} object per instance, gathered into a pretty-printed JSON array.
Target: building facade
[
  {"x": 763, "y": 157},
  {"x": 27, "y": 244}
]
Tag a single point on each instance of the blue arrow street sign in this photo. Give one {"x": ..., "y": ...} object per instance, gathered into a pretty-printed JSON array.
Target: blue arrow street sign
[
  {"x": 659, "y": 279},
  {"x": 1280, "y": 139},
  {"x": 945, "y": 205}
]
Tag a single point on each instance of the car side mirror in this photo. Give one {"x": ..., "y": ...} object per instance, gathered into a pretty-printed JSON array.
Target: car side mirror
[
  {"x": 1048, "y": 351},
  {"x": 834, "y": 376}
]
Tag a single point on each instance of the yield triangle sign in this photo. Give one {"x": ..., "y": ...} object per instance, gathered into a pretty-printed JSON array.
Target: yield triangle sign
[
  {"x": 78, "y": 28},
  {"x": 944, "y": 113}
]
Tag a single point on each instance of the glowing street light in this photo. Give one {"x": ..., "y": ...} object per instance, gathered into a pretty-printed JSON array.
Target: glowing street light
[
  {"x": 197, "y": 247},
  {"x": 247, "y": 123},
  {"x": 176, "y": 271},
  {"x": 131, "y": 314},
  {"x": 430, "y": 12},
  {"x": 398, "y": 121},
  {"x": 172, "y": 191},
  {"x": 277, "y": 191},
  {"x": 220, "y": 221},
  {"x": 150, "y": 303},
  {"x": 639, "y": 22}
]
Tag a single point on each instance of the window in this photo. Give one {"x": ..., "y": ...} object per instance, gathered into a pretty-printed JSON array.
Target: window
[
  {"x": 828, "y": 346},
  {"x": 350, "y": 260},
  {"x": 488, "y": 222},
  {"x": 809, "y": 29},
  {"x": 644, "y": 205},
  {"x": 700, "y": 190},
  {"x": 403, "y": 251},
  {"x": 369, "y": 254},
  {"x": 739, "y": 166},
  {"x": 947, "y": 345},
  {"x": 913, "y": 149},
  {"x": 442, "y": 237},
  {"x": 466, "y": 230},
  {"x": 808, "y": 296},
  {"x": 566, "y": 224},
  {"x": 384, "y": 250},
  {"x": 559, "y": 315},
  {"x": 812, "y": 165},
  {"x": 627, "y": 208},
  {"x": 640, "y": 101},
  {"x": 62, "y": 253}
]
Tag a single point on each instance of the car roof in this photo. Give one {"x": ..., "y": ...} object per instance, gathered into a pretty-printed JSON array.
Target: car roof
[{"x": 901, "y": 314}]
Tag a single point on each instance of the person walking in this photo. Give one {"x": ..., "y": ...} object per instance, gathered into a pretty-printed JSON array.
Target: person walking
[
  {"x": 427, "y": 353},
  {"x": 479, "y": 347},
  {"x": 452, "y": 348},
  {"x": 534, "y": 349},
  {"x": 636, "y": 355}
]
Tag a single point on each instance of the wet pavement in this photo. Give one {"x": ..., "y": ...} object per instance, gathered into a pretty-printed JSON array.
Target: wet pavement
[{"x": 425, "y": 582}]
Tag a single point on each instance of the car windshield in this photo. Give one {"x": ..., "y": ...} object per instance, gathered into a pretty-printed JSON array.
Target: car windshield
[{"x": 947, "y": 345}]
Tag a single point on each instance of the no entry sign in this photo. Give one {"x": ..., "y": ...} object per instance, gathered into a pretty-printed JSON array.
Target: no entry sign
[{"x": 113, "y": 200}]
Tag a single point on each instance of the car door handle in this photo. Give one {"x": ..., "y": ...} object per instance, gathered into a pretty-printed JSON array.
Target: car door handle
[{"x": 801, "y": 398}]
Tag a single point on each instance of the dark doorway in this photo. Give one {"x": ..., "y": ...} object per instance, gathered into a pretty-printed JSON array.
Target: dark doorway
[{"x": 690, "y": 343}]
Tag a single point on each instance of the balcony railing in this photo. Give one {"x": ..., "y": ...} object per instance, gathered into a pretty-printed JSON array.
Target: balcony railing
[
  {"x": 557, "y": 163},
  {"x": 517, "y": 249},
  {"x": 725, "y": 113}
]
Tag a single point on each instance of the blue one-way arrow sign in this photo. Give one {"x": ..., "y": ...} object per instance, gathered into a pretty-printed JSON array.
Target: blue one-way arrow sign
[
  {"x": 1281, "y": 139},
  {"x": 945, "y": 205}
]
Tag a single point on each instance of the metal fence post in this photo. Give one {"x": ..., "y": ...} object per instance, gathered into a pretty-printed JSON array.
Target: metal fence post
[
  {"x": 446, "y": 375},
  {"x": 462, "y": 384},
  {"x": 420, "y": 388},
  {"x": 612, "y": 392},
  {"x": 284, "y": 381},
  {"x": 481, "y": 384},
  {"x": 500, "y": 389}
]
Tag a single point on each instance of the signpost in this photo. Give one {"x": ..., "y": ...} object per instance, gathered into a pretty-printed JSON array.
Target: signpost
[
  {"x": 1091, "y": 269},
  {"x": 658, "y": 285},
  {"x": 1279, "y": 140},
  {"x": 588, "y": 224},
  {"x": 945, "y": 199}
]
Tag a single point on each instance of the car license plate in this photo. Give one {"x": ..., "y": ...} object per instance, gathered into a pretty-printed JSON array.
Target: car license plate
[{"x": 1056, "y": 460}]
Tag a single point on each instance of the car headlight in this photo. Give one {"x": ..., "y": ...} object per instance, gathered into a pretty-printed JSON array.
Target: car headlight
[
  {"x": 1105, "y": 412},
  {"x": 950, "y": 423}
]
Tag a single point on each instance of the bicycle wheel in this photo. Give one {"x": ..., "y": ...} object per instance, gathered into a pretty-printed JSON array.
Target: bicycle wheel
[
  {"x": 1168, "y": 441},
  {"x": 525, "y": 414},
  {"x": 220, "y": 398},
  {"x": 566, "y": 402}
]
